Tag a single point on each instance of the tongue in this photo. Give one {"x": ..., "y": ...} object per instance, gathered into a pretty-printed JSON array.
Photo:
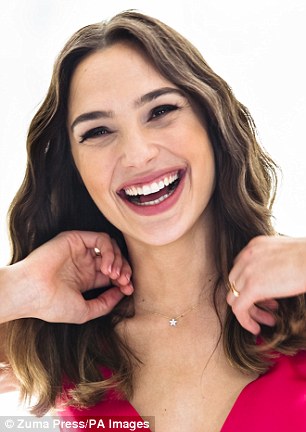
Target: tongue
[{"x": 153, "y": 196}]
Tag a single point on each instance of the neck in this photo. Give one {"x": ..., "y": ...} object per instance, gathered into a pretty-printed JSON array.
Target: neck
[{"x": 176, "y": 276}]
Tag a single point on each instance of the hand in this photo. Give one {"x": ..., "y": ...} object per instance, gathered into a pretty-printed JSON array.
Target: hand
[
  {"x": 49, "y": 283},
  {"x": 268, "y": 268},
  {"x": 8, "y": 381}
]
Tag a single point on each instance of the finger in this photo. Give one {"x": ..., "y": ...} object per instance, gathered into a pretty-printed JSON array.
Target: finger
[
  {"x": 102, "y": 305},
  {"x": 241, "y": 308},
  {"x": 237, "y": 275},
  {"x": 126, "y": 273},
  {"x": 102, "y": 245},
  {"x": 123, "y": 282},
  {"x": 117, "y": 263},
  {"x": 98, "y": 243},
  {"x": 125, "y": 270},
  {"x": 233, "y": 293},
  {"x": 230, "y": 298},
  {"x": 101, "y": 280},
  {"x": 127, "y": 289},
  {"x": 249, "y": 324},
  {"x": 270, "y": 304},
  {"x": 98, "y": 262},
  {"x": 262, "y": 316},
  {"x": 252, "y": 326},
  {"x": 105, "y": 246}
]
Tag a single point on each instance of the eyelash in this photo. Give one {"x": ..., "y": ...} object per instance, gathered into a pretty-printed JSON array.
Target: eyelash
[
  {"x": 163, "y": 110},
  {"x": 155, "y": 114},
  {"x": 93, "y": 133}
]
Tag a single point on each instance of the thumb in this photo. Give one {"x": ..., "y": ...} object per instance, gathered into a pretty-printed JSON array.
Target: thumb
[{"x": 103, "y": 304}]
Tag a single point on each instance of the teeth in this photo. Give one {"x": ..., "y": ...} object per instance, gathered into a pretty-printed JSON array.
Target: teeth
[
  {"x": 132, "y": 191},
  {"x": 155, "y": 187},
  {"x": 152, "y": 187},
  {"x": 146, "y": 190},
  {"x": 157, "y": 201}
]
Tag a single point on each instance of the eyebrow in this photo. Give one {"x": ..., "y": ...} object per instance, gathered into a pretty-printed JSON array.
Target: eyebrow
[
  {"x": 148, "y": 97},
  {"x": 93, "y": 115}
]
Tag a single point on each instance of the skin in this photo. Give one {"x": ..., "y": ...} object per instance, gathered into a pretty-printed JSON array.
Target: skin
[
  {"x": 134, "y": 145},
  {"x": 57, "y": 273},
  {"x": 266, "y": 269}
]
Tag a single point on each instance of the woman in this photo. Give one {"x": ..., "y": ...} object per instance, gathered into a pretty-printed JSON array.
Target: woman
[{"x": 139, "y": 138}]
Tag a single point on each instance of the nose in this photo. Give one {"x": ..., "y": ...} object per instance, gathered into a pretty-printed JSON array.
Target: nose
[{"x": 139, "y": 148}]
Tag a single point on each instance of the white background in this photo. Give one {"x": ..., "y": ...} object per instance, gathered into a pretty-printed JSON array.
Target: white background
[{"x": 258, "y": 47}]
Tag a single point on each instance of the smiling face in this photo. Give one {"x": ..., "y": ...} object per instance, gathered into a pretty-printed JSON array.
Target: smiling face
[{"x": 139, "y": 146}]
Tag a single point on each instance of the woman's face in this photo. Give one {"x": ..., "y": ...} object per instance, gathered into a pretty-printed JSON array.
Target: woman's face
[{"x": 139, "y": 146}]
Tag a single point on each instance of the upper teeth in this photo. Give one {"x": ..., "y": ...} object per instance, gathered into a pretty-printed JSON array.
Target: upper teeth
[{"x": 148, "y": 189}]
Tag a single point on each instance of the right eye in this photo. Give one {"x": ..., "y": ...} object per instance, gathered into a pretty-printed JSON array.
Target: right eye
[{"x": 94, "y": 133}]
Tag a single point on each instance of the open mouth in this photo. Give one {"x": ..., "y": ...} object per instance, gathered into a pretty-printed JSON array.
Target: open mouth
[{"x": 152, "y": 193}]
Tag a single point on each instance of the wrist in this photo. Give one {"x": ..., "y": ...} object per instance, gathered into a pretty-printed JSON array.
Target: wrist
[{"x": 14, "y": 293}]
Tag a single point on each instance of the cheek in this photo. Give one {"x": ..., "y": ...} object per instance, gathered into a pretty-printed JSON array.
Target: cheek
[
  {"x": 203, "y": 160},
  {"x": 94, "y": 170}
]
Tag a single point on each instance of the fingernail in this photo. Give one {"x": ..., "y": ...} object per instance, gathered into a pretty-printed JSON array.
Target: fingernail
[
  {"x": 117, "y": 271},
  {"x": 109, "y": 269},
  {"x": 128, "y": 277}
]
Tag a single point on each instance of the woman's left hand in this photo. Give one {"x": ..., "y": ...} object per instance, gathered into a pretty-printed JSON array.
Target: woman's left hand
[{"x": 268, "y": 268}]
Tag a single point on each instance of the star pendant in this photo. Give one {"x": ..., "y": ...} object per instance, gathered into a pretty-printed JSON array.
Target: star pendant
[{"x": 173, "y": 322}]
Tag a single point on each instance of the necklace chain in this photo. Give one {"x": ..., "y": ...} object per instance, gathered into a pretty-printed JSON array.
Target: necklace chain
[{"x": 173, "y": 320}]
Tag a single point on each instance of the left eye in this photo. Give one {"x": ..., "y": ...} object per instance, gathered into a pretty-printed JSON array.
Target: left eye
[{"x": 162, "y": 110}]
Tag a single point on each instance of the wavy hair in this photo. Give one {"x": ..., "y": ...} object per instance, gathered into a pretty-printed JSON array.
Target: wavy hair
[{"x": 53, "y": 198}]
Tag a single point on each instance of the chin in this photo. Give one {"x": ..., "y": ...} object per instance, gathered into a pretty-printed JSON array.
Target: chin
[{"x": 159, "y": 237}]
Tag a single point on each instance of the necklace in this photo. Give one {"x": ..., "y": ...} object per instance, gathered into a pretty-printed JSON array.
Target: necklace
[{"x": 173, "y": 320}]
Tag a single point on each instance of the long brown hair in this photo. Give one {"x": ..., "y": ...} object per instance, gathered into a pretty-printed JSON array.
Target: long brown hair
[{"x": 53, "y": 198}]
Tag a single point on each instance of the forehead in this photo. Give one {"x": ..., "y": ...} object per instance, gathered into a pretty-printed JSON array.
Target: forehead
[{"x": 119, "y": 72}]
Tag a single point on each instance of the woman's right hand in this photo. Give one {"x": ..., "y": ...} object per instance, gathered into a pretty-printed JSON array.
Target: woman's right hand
[{"x": 48, "y": 284}]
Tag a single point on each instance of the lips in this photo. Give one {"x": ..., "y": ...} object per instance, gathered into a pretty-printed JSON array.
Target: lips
[{"x": 154, "y": 192}]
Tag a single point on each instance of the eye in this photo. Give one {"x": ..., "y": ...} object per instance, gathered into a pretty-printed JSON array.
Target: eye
[
  {"x": 162, "y": 110},
  {"x": 94, "y": 133}
]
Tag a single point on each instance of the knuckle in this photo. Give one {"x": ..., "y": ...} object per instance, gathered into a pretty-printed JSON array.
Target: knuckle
[
  {"x": 240, "y": 309},
  {"x": 251, "y": 287},
  {"x": 229, "y": 299},
  {"x": 236, "y": 308},
  {"x": 115, "y": 247},
  {"x": 104, "y": 239},
  {"x": 248, "y": 281},
  {"x": 249, "y": 253},
  {"x": 71, "y": 237},
  {"x": 104, "y": 235}
]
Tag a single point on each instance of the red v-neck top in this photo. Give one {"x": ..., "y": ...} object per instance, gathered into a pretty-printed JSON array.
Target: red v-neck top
[{"x": 274, "y": 402}]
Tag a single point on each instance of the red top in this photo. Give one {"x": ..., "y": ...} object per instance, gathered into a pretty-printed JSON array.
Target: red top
[{"x": 274, "y": 402}]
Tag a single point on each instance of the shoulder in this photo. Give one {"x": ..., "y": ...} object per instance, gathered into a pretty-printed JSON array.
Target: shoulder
[{"x": 276, "y": 401}]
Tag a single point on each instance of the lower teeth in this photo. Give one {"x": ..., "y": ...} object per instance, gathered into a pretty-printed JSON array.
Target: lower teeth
[{"x": 157, "y": 201}]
